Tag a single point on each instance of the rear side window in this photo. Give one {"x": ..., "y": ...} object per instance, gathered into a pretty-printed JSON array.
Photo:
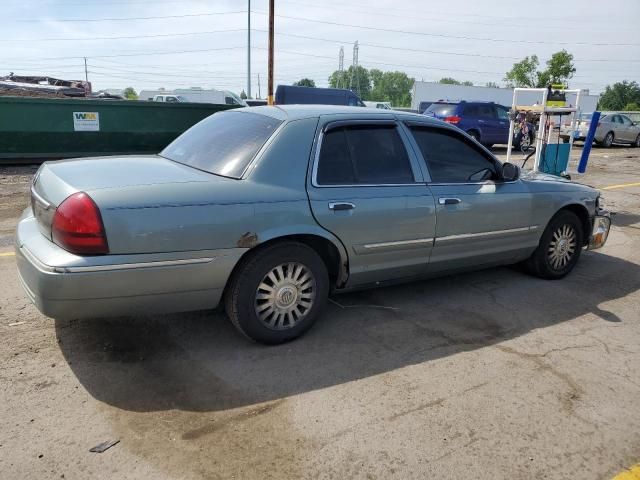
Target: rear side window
[
  {"x": 223, "y": 144},
  {"x": 451, "y": 159},
  {"x": 442, "y": 109},
  {"x": 372, "y": 155}
]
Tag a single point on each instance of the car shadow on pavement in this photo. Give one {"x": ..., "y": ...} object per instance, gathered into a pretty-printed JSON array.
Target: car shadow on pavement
[{"x": 198, "y": 362}]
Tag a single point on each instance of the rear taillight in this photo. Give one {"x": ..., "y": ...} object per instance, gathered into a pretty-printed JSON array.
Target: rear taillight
[
  {"x": 77, "y": 226},
  {"x": 454, "y": 119}
]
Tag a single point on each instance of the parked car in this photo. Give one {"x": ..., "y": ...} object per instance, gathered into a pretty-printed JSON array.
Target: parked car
[
  {"x": 290, "y": 95},
  {"x": 268, "y": 209},
  {"x": 487, "y": 122},
  {"x": 612, "y": 128}
]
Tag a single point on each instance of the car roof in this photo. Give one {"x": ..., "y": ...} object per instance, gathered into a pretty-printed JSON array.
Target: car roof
[{"x": 297, "y": 112}]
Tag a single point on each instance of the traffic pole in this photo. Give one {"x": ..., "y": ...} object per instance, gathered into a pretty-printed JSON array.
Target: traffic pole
[{"x": 270, "y": 73}]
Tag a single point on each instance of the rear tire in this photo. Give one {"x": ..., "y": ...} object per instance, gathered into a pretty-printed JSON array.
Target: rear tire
[
  {"x": 559, "y": 248},
  {"x": 607, "y": 141},
  {"x": 277, "y": 293}
]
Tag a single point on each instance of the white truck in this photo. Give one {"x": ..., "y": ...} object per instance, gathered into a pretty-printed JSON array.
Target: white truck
[
  {"x": 195, "y": 95},
  {"x": 169, "y": 98}
]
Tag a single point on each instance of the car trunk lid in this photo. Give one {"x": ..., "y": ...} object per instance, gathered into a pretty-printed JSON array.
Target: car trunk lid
[{"x": 55, "y": 181}]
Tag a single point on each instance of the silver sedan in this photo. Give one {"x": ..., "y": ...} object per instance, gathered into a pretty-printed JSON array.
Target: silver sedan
[
  {"x": 612, "y": 128},
  {"x": 269, "y": 209}
]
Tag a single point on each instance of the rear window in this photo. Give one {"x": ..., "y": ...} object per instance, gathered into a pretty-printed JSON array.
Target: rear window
[
  {"x": 365, "y": 155},
  {"x": 222, "y": 144},
  {"x": 442, "y": 109}
]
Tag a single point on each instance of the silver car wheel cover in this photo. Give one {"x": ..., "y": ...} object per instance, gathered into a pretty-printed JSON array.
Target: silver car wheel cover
[
  {"x": 562, "y": 246},
  {"x": 285, "y": 296}
]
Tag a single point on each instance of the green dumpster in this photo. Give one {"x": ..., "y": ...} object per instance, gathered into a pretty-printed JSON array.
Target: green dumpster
[{"x": 44, "y": 128}]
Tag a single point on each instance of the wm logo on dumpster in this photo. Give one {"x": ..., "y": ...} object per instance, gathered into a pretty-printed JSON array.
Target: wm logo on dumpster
[{"x": 86, "y": 115}]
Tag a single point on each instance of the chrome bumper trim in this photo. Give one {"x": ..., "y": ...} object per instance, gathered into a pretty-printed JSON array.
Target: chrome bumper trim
[
  {"x": 105, "y": 268},
  {"x": 128, "y": 266}
]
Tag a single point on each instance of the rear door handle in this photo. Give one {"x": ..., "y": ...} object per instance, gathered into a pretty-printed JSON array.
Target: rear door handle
[
  {"x": 335, "y": 206},
  {"x": 449, "y": 201}
]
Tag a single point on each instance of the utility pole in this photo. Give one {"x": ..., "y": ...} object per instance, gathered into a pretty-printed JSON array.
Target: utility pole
[
  {"x": 340, "y": 66},
  {"x": 86, "y": 74},
  {"x": 259, "y": 94},
  {"x": 248, "y": 48},
  {"x": 270, "y": 73}
]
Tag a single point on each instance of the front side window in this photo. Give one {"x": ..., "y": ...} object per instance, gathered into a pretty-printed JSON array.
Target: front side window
[
  {"x": 451, "y": 159},
  {"x": 224, "y": 143},
  {"x": 626, "y": 120},
  {"x": 503, "y": 113},
  {"x": 365, "y": 155}
]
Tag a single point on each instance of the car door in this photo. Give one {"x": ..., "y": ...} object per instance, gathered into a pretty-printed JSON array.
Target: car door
[
  {"x": 629, "y": 131},
  {"x": 480, "y": 218},
  {"x": 488, "y": 118},
  {"x": 618, "y": 128},
  {"x": 502, "y": 114},
  {"x": 367, "y": 188}
]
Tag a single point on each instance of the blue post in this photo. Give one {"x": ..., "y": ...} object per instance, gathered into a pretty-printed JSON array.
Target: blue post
[{"x": 588, "y": 142}]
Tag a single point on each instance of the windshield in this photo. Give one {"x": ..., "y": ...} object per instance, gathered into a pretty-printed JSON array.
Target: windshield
[
  {"x": 442, "y": 109},
  {"x": 223, "y": 144}
]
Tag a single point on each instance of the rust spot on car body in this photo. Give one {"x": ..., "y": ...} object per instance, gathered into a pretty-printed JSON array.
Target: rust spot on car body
[{"x": 248, "y": 240}]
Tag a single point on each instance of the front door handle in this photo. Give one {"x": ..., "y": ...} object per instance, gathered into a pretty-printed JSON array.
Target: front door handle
[
  {"x": 336, "y": 206},
  {"x": 449, "y": 201}
]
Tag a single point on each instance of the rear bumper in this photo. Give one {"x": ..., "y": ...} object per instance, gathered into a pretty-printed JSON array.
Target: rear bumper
[
  {"x": 600, "y": 230},
  {"x": 63, "y": 285}
]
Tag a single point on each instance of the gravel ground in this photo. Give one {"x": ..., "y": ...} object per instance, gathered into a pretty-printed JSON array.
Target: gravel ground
[{"x": 487, "y": 375}]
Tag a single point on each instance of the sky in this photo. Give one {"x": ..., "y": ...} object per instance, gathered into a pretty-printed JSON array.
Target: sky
[{"x": 203, "y": 43}]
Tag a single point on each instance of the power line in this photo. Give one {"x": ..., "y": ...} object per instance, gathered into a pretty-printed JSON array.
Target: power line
[
  {"x": 440, "y": 19},
  {"x": 144, "y": 54},
  {"x": 441, "y": 35},
  {"x": 438, "y": 52},
  {"x": 119, "y": 19},
  {"x": 126, "y": 37}
]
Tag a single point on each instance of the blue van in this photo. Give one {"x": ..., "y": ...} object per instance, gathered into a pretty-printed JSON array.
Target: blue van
[
  {"x": 288, "y": 94},
  {"x": 487, "y": 122}
]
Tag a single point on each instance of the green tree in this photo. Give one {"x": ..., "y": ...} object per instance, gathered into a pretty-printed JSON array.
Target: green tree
[
  {"x": 525, "y": 73},
  {"x": 393, "y": 87},
  {"x": 243, "y": 94},
  {"x": 619, "y": 96},
  {"x": 449, "y": 81},
  {"x": 492, "y": 85},
  {"x": 305, "y": 82},
  {"x": 632, "y": 107},
  {"x": 357, "y": 80},
  {"x": 560, "y": 69},
  {"x": 130, "y": 94}
]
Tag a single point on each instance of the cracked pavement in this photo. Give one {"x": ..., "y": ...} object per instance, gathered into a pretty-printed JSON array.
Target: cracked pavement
[{"x": 485, "y": 375}]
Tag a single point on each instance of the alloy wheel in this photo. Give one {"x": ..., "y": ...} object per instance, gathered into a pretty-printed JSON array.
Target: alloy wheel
[
  {"x": 562, "y": 247},
  {"x": 285, "y": 296}
]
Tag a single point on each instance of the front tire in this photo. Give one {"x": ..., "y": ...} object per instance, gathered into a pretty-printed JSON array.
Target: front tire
[
  {"x": 559, "y": 248},
  {"x": 277, "y": 293},
  {"x": 636, "y": 144}
]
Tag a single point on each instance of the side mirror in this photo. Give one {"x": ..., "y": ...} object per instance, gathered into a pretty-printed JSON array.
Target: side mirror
[{"x": 510, "y": 172}]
